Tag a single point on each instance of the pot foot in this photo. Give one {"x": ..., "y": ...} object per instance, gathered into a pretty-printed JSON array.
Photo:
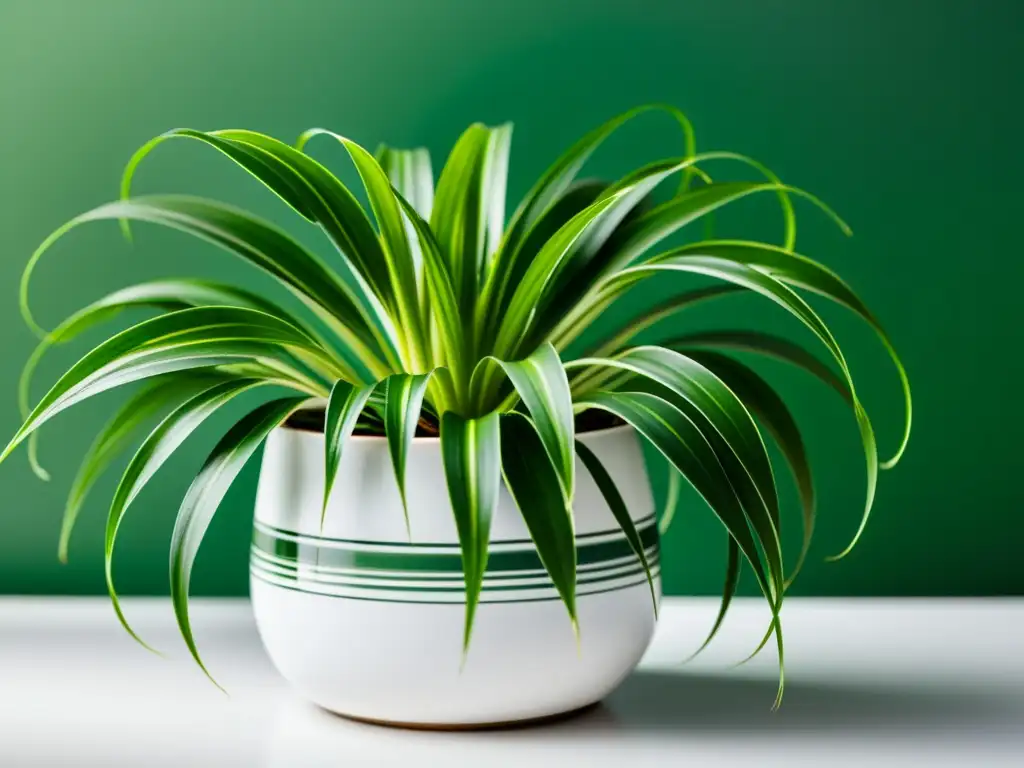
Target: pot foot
[{"x": 499, "y": 725}]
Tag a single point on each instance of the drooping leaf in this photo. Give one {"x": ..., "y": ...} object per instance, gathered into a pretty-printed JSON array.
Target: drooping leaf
[
  {"x": 725, "y": 423},
  {"x": 766, "y": 404},
  {"x": 763, "y": 344},
  {"x": 402, "y": 408},
  {"x": 202, "y": 337},
  {"x": 619, "y": 510},
  {"x": 161, "y": 443},
  {"x": 533, "y": 482},
  {"x": 471, "y": 452},
  {"x": 540, "y": 381},
  {"x": 166, "y": 295},
  {"x": 679, "y": 440},
  {"x": 364, "y": 328},
  {"x": 799, "y": 271},
  {"x": 668, "y": 513},
  {"x": 771, "y": 288},
  {"x": 563, "y": 172},
  {"x": 305, "y": 185},
  {"x": 343, "y": 410},
  {"x": 117, "y": 434},
  {"x": 205, "y": 495}
]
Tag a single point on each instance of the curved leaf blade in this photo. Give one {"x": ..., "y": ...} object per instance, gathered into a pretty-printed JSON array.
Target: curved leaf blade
[
  {"x": 410, "y": 172},
  {"x": 726, "y": 424},
  {"x": 343, "y": 409},
  {"x": 118, "y": 433},
  {"x": 680, "y": 441},
  {"x": 187, "y": 339},
  {"x": 799, "y": 271},
  {"x": 167, "y": 295},
  {"x": 471, "y": 452},
  {"x": 363, "y": 328},
  {"x": 771, "y": 410},
  {"x": 619, "y": 510},
  {"x": 561, "y": 174},
  {"x": 204, "y": 497},
  {"x": 541, "y": 383},
  {"x": 533, "y": 483},
  {"x": 161, "y": 443},
  {"x": 403, "y": 404},
  {"x": 776, "y": 291}
]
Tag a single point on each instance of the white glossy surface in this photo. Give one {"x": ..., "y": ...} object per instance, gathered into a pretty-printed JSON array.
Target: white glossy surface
[
  {"x": 394, "y": 652},
  {"x": 896, "y": 682}
]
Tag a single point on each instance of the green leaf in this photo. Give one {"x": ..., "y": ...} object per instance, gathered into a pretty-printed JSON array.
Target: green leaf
[
  {"x": 533, "y": 482},
  {"x": 543, "y": 297},
  {"x": 471, "y": 451},
  {"x": 343, "y": 408},
  {"x": 724, "y": 421},
  {"x": 161, "y": 443},
  {"x": 762, "y": 344},
  {"x": 402, "y": 408},
  {"x": 363, "y": 326},
  {"x": 117, "y": 434},
  {"x": 450, "y": 348},
  {"x": 400, "y": 268},
  {"x": 201, "y": 337},
  {"x": 515, "y": 323},
  {"x": 668, "y": 513},
  {"x": 765, "y": 403},
  {"x": 561, "y": 174},
  {"x": 651, "y": 315},
  {"x": 540, "y": 381},
  {"x": 617, "y": 505},
  {"x": 469, "y": 207},
  {"x": 508, "y": 272},
  {"x": 771, "y": 288},
  {"x": 304, "y": 185},
  {"x": 160, "y": 294},
  {"x": 410, "y": 173},
  {"x": 205, "y": 495},
  {"x": 680, "y": 441},
  {"x": 799, "y": 271}
]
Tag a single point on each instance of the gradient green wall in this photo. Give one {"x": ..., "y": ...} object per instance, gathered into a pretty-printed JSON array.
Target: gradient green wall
[{"x": 903, "y": 115}]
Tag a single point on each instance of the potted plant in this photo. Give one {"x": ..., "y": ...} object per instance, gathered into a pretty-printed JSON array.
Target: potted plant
[{"x": 453, "y": 524}]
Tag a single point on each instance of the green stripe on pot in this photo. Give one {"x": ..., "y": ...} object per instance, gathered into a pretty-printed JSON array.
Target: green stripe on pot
[
  {"x": 435, "y": 597},
  {"x": 406, "y": 572},
  {"x": 613, "y": 533},
  {"x": 428, "y": 558},
  {"x": 450, "y": 582},
  {"x": 318, "y": 571}
]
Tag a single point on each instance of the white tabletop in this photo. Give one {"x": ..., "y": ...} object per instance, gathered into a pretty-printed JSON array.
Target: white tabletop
[{"x": 896, "y": 682}]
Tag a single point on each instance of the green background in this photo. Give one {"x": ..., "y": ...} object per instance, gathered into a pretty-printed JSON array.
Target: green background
[{"x": 903, "y": 115}]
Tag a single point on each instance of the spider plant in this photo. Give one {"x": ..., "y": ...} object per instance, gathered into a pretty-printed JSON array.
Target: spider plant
[{"x": 435, "y": 313}]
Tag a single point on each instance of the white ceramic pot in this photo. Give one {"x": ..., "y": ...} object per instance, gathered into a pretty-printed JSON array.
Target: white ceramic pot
[{"x": 367, "y": 624}]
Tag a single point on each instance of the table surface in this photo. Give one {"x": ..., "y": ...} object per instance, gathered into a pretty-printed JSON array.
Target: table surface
[{"x": 898, "y": 682}]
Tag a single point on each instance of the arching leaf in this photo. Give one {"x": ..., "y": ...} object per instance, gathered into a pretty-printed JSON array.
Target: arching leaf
[{"x": 205, "y": 495}]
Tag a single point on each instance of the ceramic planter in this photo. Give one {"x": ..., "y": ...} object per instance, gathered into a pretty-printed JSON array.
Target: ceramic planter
[{"x": 366, "y": 623}]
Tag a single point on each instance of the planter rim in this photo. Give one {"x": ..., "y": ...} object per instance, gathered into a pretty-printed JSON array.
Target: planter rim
[{"x": 420, "y": 440}]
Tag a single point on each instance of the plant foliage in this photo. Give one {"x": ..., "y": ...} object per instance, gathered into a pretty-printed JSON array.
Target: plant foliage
[{"x": 433, "y": 311}]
